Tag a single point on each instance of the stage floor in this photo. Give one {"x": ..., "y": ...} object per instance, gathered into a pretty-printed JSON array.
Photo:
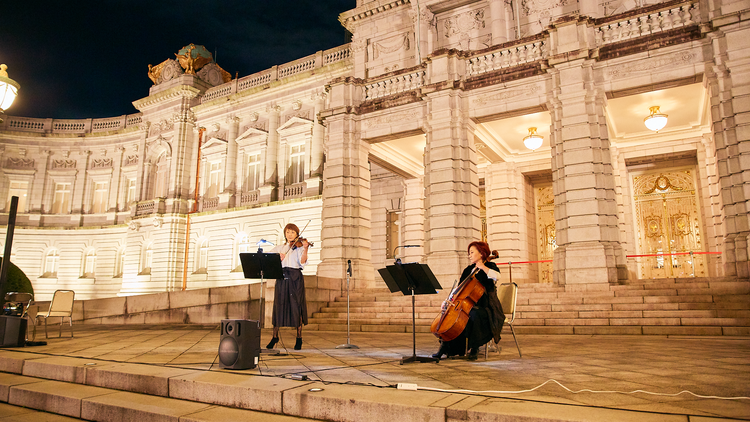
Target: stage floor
[{"x": 611, "y": 365}]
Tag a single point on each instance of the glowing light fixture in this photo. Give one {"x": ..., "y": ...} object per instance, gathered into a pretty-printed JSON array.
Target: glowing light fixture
[
  {"x": 655, "y": 121},
  {"x": 533, "y": 141},
  {"x": 8, "y": 90}
]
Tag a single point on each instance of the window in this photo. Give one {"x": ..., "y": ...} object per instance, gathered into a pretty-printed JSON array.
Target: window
[
  {"x": 297, "y": 164},
  {"x": 160, "y": 182},
  {"x": 201, "y": 263},
  {"x": 392, "y": 233},
  {"x": 252, "y": 175},
  {"x": 89, "y": 264},
  {"x": 99, "y": 202},
  {"x": 61, "y": 202},
  {"x": 119, "y": 263},
  {"x": 214, "y": 178},
  {"x": 148, "y": 258},
  {"x": 19, "y": 189},
  {"x": 130, "y": 196},
  {"x": 243, "y": 246},
  {"x": 51, "y": 261}
]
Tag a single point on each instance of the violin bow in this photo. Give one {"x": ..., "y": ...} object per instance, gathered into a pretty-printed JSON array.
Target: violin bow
[{"x": 298, "y": 236}]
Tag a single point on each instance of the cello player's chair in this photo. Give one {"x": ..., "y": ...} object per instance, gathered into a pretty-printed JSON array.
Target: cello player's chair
[
  {"x": 507, "y": 293},
  {"x": 61, "y": 306}
]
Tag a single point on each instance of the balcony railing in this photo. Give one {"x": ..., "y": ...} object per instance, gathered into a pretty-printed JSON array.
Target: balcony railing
[
  {"x": 394, "y": 84},
  {"x": 72, "y": 126},
  {"x": 508, "y": 57},
  {"x": 294, "y": 191},
  {"x": 248, "y": 198},
  {"x": 210, "y": 204},
  {"x": 671, "y": 17}
]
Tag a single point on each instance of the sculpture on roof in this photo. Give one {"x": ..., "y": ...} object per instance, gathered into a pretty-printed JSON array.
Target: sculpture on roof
[{"x": 190, "y": 60}]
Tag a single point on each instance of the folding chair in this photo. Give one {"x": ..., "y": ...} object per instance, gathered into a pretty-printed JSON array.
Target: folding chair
[
  {"x": 61, "y": 306},
  {"x": 507, "y": 293}
]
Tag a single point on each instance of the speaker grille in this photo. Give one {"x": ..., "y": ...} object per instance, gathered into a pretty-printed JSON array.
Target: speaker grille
[{"x": 229, "y": 351}]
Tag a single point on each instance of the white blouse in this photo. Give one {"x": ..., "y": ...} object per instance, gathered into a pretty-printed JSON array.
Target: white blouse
[{"x": 293, "y": 258}]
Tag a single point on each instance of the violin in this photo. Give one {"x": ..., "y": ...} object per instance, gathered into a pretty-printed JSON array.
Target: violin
[
  {"x": 298, "y": 243},
  {"x": 451, "y": 322}
]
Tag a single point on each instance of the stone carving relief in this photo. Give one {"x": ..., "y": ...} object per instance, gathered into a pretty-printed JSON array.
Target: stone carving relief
[
  {"x": 255, "y": 125},
  {"x": 464, "y": 22},
  {"x": 424, "y": 15},
  {"x": 390, "y": 45},
  {"x": 131, "y": 160},
  {"x": 163, "y": 126},
  {"x": 63, "y": 164},
  {"x": 133, "y": 225},
  {"x": 507, "y": 94},
  {"x": 19, "y": 163},
  {"x": 213, "y": 74},
  {"x": 164, "y": 71},
  {"x": 158, "y": 221},
  {"x": 100, "y": 163},
  {"x": 305, "y": 114},
  {"x": 358, "y": 44},
  {"x": 387, "y": 120},
  {"x": 626, "y": 69},
  {"x": 186, "y": 116}
]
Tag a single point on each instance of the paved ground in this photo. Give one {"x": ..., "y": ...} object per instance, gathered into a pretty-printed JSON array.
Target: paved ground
[{"x": 612, "y": 366}]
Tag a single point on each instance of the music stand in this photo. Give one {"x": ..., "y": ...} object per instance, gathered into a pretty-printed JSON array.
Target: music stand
[
  {"x": 262, "y": 265},
  {"x": 411, "y": 279}
]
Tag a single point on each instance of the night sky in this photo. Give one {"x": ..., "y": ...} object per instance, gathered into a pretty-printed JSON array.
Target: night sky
[{"x": 81, "y": 59}]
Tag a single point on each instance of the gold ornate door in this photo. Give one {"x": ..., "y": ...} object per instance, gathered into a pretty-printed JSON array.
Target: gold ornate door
[
  {"x": 545, "y": 223},
  {"x": 668, "y": 221}
]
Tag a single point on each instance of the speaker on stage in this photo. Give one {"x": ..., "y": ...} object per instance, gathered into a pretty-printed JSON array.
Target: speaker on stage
[
  {"x": 12, "y": 331},
  {"x": 239, "y": 347}
]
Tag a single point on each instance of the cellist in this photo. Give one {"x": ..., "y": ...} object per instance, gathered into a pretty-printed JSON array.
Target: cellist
[{"x": 486, "y": 317}]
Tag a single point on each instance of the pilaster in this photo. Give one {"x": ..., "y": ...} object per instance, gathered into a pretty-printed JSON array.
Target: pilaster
[
  {"x": 414, "y": 233},
  {"x": 451, "y": 184}
]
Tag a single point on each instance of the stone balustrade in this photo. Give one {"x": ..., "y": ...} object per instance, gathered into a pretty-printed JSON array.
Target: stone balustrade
[
  {"x": 394, "y": 84},
  {"x": 248, "y": 198},
  {"x": 294, "y": 191},
  {"x": 669, "y": 17},
  {"x": 530, "y": 51},
  {"x": 210, "y": 204},
  {"x": 313, "y": 61},
  {"x": 71, "y": 126},
  {"x": 145, "y": 208}
]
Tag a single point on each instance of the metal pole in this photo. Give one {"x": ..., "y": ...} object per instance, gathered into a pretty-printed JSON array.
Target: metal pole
[
  {"x": 8, "y": 245},
  {"x": 348, "y": 344}
]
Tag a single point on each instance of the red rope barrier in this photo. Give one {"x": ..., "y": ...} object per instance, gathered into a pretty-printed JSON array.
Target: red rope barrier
[{"x": 522, "y": 262}]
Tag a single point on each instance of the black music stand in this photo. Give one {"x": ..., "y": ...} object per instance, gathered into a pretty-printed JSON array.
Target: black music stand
[
  {"x": 411, "y": 279},
  {"x": 262, "y": 265}
]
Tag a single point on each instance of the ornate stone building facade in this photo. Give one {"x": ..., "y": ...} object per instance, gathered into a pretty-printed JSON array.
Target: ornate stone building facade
[{"x": 412, "y": 135}]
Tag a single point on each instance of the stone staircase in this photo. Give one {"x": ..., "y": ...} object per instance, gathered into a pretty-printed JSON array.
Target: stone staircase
[{"x": 682, "y": 306}]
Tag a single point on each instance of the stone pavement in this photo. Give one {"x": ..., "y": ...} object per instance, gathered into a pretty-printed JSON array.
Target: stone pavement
[{"x": 706, "y": 366}]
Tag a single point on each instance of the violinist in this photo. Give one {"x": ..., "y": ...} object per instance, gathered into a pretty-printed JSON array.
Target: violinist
[
  {"x": 290, "y": 305},
  {"x": 486, "y": 317}
]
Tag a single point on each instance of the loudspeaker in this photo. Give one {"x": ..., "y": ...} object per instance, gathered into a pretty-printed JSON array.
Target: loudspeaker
[
  {"x": 12, "y": 331},
  {"x": 239, "y": 347}
]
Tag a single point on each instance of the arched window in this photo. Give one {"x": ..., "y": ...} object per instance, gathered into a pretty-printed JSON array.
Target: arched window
[
  {"x": 147, "y": 258},
  {"x": 201, "y": 257},
  {"x": 51, "y": 262},
  {"x": 89, "y": 264},
  {"x": 160, "y": 177}
]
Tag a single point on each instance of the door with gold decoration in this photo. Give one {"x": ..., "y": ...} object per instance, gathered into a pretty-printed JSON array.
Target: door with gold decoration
[
  {"x": 668, "y": 221},
  {"x": 545, "y": 223}
]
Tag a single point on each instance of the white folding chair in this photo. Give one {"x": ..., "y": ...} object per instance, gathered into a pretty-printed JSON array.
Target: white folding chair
[
  {"x": 507, "y": 293},
  {"x": 61, "y": 306}
]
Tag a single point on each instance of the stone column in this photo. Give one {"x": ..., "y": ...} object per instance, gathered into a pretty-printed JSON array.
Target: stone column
[
  {"x": 346, "y": 229},
  {"x": 179, "y": 172},
  {"x": 507, "y": 229},
  {"x": 710, "y": 194},
  {"x": 228, "y": 196},
  {"x": 414, "y": 219},
  {"x": 423, "y": 21},
  {"x": 318, "y": 135},
  {"x": 729, "y": 83},
  {"x": 498, "y": 24},
  {"x": 451, "y": 185},
  {"x": 270, "y": 177}
]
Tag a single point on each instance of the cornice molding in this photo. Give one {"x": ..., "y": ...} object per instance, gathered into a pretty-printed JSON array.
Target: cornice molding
[
  {"x": 352, "y": 17},
  {"x": 181, "y": 91}
]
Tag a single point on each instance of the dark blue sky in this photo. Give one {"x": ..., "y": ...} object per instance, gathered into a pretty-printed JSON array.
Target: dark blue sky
[{"x": 88, "y": 58}]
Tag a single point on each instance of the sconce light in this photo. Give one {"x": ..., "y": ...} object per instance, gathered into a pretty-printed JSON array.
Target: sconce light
[
  {"x": 655, "y": 121},
  {"x": 533, "y": 141}
]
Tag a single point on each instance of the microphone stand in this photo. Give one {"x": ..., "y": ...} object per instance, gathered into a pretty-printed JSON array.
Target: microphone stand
[{"x": 348, "y": 344}]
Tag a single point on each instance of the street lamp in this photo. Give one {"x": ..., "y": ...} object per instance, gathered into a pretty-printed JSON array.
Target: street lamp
[{"x": 8, "y": 90}]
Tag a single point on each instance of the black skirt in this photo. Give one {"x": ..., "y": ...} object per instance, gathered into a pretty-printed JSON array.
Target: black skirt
[
  {"x": 477, "y": 331},
  {"x": 289, "y": 303}
]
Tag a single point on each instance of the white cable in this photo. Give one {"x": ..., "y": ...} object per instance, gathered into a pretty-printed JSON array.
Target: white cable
[{"x": 580, "y": 391}]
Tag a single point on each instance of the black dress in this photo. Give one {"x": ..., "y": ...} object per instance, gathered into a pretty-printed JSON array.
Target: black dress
[
  {"x": 289, "y": 301},
  {"x": 485, "y": 319}
]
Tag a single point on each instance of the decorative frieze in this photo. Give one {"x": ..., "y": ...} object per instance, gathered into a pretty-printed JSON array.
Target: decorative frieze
[
  {"x": 641, "y": 66},
  {"x": 131, "y": 160},
  {"x": 464, "y": 22},
  {"x": 387, "y": 119},
  {"x": 507, "y": 94},
  {"x": 390, "y": 45},
  {"x": 63, "y": 164},
  {"x": 163, "y": 126},
  {"x": 100, "y": 163},
  {"x": 19, "y": 163}
]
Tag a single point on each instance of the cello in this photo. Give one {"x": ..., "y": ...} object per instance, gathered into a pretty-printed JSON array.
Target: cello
[{"x": 451, "y": 321}]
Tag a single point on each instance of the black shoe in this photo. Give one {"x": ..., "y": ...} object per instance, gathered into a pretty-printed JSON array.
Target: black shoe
[
  {"x": 298, "y": 344},
  {"x": 272, "y": 343},
  {"x": 472, "y": 354},
  {"x": 440, "y": 353}
]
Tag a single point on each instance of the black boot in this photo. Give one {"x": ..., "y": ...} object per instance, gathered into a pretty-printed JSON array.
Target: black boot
[
  {"x": 473, "y": 352},
  {"x": 442, "y": 351},
  {"x": 298, "y": 344},
  {"x": 272, "y": 343}
]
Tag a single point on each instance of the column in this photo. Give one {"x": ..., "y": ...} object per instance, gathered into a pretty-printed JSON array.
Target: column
[
  {"x": 229, "y": 195},
  {"x": 414, "y": 219},
  {"x": 729, "y": 83},
  {"x": 318, "y": 135},
  {"x": 346, "y": 214},
  {"x": 267, "y": 192},
  {"x": 498, "y": 23},
  {"x": 451, "y": 185},
  {"x": 179, "y": 172}
]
